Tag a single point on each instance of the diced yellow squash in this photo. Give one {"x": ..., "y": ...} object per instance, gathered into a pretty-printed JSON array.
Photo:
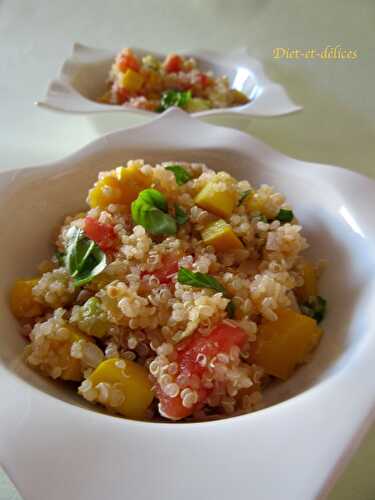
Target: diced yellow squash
[
  {"x": 105, "y": 192},
  {"x": 238, "y": 97},
  {"x": 154, "y": 80},
  {"x": 221, "y": 236},
  {"x": 132, "y": 80},
  {"x": 133, "y": 181},
  {"x": 120, "y": 186},
  {"x": 218, "y": 202},
  {"x": 196, "y": 104},
  {"x": 132, "y": 380},
  {"x": 73, "y": 367},
  {"x": 22, "y": 301},
  {"x": 310, "y": 285},
  {"x": 58, "y": 354},
  {"x": 151, "y": 62},
  {"x": 285, "y": 343},
  {"x": 254, "y": 202}
]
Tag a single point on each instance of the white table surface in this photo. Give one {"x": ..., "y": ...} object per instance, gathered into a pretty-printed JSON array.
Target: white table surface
[{"x": 337, "y": 125}]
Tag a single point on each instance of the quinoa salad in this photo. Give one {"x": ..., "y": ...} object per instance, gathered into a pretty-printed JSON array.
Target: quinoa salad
[
  {"x": 155, "y": 85},
  {"x": 180, "y": 294}
]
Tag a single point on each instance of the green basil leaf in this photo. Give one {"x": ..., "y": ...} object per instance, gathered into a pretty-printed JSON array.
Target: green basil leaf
[
  {"x": 184, "y": 98},
  {"x": 199, "y": 280},
  {"x": 315, "y": 307},
  {"x": 182, "y": 176},
  {"x": 181, "y": 216},
  {"x": 94, "y": 265},
  {"x": 231, "y": 309},
  {"x": 285, "y": 215},
  {"x": 263, "y": 218},
  {"x": 154, "y": 198},
  {"x": 60, "y": 257},
  {"x": 148, "y": 210},
  {"x": 73, "y": 235},
  {"x": 157, "y": 222},
  {"x": 171, "y": 98},
  {"x": 243, "y": 196},
  {"x": 84, "y": 259}
]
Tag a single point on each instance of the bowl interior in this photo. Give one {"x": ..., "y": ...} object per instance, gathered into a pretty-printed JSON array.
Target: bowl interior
[
  {"x": 35, "y": 204},
  {"x": 89, "y": 78}
]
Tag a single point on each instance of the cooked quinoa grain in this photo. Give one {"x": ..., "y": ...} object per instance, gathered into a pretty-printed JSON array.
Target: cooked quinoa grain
[{"x": 180, "y": 294}]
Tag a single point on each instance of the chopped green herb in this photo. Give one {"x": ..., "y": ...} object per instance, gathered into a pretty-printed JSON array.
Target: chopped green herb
[
  {"x": 84, "y": 259},
  {"x": 285, "y": 215},
  {"x": 149, "y": 210},
  {"x": 181, "y": 216},
  {"x": 315, "y": 307},
  {"x": 171, "y": 98},
  {"x": 263, "y": 218},
  {"x": 154, "y": 198},
  {"x": 199, "y": 280},
  {"x": 92, "y": 319},
  {"x": 182, "y": 176},
  {"x": 202, "y": 280},
  {"x": 243, "y": 196},
  {"x": 231, "y": 309},
  {"x": 60, "y": 257}
]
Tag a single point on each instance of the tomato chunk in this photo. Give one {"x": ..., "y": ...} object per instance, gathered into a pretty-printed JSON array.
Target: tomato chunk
[
  {"x": 171, "y": 407},
  {"x": 192, "y": 351},
  {"x": 221, "y": 339},
  {"x": 103, "y": 234},
  {"x": 203, "y": 80},
  {"x": 128, "y": 60},
  {"x": 166, "y": 272},
  {"x": 173, "y": 63},
  {"x": 122, "y": 95}
]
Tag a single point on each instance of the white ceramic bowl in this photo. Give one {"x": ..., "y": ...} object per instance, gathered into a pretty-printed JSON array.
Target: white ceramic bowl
[
  {"x": 55, "y": 447},
  {"x": 83, "y": 76}
]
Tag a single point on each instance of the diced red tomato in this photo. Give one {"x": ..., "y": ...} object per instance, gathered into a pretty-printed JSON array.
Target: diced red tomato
[
  {"x": 172, "y": 407},
  {"x": 122, "y": 95},
  {"x": 128, "y": 60},
  {"x": 173, "y": 63},
  {"x": 203, "y": 80},
  {"x": 220, "y": 339},
  {"x": 166, "y": 272},
  {"x": 103, "y": 234}
]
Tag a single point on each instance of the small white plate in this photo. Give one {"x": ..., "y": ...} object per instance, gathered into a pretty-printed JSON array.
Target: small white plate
[
  {"x": 82, "y": 81},
  {"x": 55, "y": 447}
]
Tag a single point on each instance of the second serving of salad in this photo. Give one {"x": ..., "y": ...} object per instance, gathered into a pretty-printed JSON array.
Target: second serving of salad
[{"x": 155, "y": 85}]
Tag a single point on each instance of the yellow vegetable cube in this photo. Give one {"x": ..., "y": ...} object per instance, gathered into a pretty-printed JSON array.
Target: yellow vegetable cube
[
  {"x": 310, "y": 286},
  {"x": 238, "y": 97},
  {"x": 221, "y": 236},
  {"x": 22, "y": 301},
  {"x": 254, "y": 202},
  {"x": 73, "y": 369},
  {"x": 283, "y": 344},
  {"x": 133, "y": 181},
  {"x": 120, "y": 186},
  {"x": 51, "y": 353},
  {"x": 105, "y": 192},
  {"x": 216, "y": 200},
  {"x": 132, "y": 80},
  {"x": 154, "y": 80},
  {"x": 128, "y": 379}
]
